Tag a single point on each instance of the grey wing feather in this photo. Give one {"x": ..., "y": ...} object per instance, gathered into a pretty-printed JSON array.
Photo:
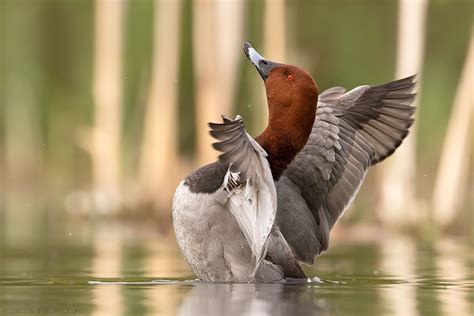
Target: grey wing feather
[
  {"x": 352, "y": 131},
  {"x": 237, "y": 146}
]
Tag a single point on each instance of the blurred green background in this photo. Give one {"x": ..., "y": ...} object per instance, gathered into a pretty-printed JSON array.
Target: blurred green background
[{"x": 48, "y": 61}]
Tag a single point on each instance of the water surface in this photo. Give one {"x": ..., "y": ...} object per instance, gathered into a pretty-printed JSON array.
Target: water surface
[{"x": 122, "y": 269}]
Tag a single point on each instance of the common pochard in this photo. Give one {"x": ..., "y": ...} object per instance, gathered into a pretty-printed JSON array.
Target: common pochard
[{"x": 270, "y": 202}]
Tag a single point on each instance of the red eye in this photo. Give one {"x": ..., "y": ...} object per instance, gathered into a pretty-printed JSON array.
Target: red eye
[{"x": 290, "y": 77}]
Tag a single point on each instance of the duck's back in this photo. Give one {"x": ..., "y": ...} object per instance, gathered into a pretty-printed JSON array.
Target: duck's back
[{"x": 207, "y": 179}]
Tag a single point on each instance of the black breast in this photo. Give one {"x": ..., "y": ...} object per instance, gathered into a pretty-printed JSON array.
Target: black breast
[{"x": 207, "y": 179}]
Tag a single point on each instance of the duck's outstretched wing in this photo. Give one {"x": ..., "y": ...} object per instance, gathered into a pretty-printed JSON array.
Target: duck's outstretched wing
[
  {"x": 249, "y": 183},
  {"x": 238, "y": 148},
  {"x": 352, "y": 131}
]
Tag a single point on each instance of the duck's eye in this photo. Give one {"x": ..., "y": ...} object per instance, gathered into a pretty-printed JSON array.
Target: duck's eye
[{"x": 289, "y": 77}]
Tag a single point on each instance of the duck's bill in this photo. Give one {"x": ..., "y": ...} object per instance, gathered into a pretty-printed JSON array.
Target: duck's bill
[{"x": 264, "y": 66}]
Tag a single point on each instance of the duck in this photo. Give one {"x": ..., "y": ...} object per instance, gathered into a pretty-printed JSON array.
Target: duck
[{"x": 267, "y": 204}]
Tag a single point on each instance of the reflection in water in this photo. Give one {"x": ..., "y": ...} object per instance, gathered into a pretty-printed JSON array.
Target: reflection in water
[
  {"x": 252, "y": 299},
  {"x": 451, "y": 267},
  {"x": 107, "y": 264},
  {"x": 163, "y": 259},
  {"x": 161, "y": 301},
  {"x": 399, "y": 261}
]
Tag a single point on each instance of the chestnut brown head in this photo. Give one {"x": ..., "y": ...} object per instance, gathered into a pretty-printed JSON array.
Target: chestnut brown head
[{"x": 291, "y": 91}]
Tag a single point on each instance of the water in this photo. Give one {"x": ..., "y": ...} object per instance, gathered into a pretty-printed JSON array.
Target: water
[{"x": 118, "y": 269}]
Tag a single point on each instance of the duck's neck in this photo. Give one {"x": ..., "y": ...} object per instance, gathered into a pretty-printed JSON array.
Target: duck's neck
[{"x": 285, "y": 136}]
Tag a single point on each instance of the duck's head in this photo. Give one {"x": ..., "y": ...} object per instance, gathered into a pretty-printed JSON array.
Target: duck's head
[
  {"x": 292, "y": 97},
  {"x": 289, "y": 88}
]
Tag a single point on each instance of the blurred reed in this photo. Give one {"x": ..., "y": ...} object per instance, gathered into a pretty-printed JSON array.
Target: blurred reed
[
  {"x": 104, "y": 143},
  {"x": 159, "y": 148},
  {"x": 397, "y": 187},
  {"x": 455, "y": 165}
]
